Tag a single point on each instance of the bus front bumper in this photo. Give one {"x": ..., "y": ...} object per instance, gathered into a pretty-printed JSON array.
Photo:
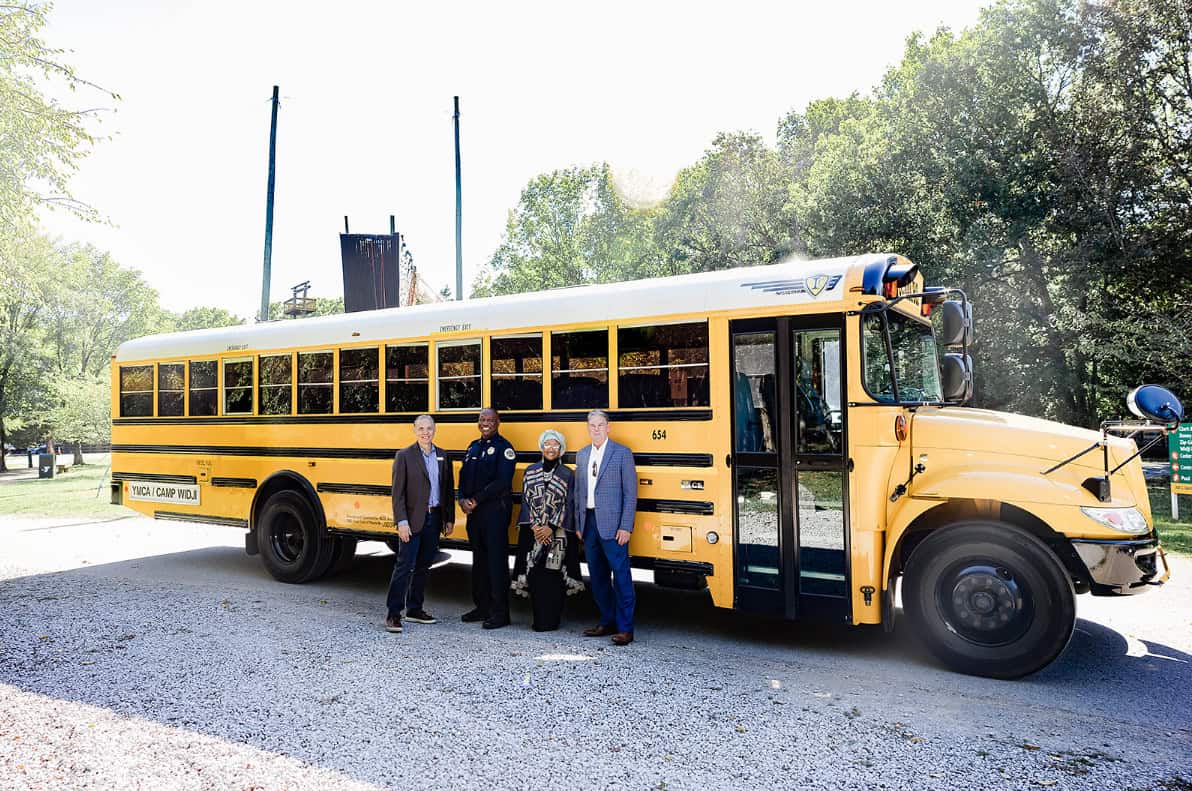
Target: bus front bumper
[{"x": 1122, "y": 568}]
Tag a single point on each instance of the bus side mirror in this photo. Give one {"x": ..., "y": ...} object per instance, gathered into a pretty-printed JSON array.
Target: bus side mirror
[
  {"x": 957, "y": 374},
  {"x": 957, "y": 324},
  {"x": 1155, "y": 403}
]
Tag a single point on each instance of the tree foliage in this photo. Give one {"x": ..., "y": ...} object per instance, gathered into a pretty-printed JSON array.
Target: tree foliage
[
  {"x": 43, "y": 141},
  {"x": 80, "y": 411},
  {"x": 570, "y": 227},
  {"x": 64, "y": 309},
  {"x": 202, "y": 318}
]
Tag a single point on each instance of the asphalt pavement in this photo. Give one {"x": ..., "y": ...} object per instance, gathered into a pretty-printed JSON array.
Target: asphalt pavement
[{"x": 142, "y": 654}]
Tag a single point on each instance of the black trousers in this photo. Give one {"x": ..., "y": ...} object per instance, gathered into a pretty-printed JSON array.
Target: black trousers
[{"x": 488, "y": 533}]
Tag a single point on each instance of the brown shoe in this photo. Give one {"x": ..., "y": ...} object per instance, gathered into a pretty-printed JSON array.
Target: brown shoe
[
  {"x": 622, "y": 638},
  {"x": 600, "y": 630},
  {"x": 393, "y": 624}
]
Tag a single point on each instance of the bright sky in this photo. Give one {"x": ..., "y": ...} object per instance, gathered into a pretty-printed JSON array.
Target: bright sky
[{"x": 365, "y": 127}]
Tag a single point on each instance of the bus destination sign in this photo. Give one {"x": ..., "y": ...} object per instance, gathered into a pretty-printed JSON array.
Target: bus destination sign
[
  {"x": 1179, "y": 443},
  {"x": 152, "y": 492}
]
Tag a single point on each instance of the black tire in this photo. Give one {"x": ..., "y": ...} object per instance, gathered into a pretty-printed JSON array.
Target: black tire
[
  {"x": 989, "y": 599},
  {"x": 292, "y": 543},
  {"x": 343, "y": 553}
]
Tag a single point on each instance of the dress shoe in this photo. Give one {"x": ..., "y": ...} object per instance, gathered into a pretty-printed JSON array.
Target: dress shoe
[
  {"x": 472, "y": 616},
  {"x": 600, "y": 630},
  {"x": 393, "y": 624},
  {"x": 495, "y": 623},
  {"x": 622, "y": 638},
  {"x": 420, "y": 616}
]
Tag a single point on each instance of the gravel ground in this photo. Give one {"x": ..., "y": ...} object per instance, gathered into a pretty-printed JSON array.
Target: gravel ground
[{"x": 141, "y": 654}]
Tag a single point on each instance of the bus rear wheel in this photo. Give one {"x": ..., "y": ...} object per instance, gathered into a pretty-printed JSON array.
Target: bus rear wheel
[
  {"x": 989, "y": 599},
  {"x": 292, "y": 546}
]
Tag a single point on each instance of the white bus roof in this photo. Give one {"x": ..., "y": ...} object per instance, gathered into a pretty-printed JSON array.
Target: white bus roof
[{"x": 791, "y": 283}]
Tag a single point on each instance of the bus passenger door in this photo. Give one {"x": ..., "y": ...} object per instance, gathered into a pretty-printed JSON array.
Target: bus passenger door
[
  {"x": 819, "y": 481},
  {"x": 788, "y": 458}
]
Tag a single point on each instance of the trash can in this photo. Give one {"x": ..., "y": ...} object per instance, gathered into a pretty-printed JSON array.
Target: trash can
[{"x": 45, "y": 465}]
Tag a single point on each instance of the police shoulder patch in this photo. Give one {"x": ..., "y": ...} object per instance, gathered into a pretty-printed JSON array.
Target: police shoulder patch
[{"x": 509, "y": 454}]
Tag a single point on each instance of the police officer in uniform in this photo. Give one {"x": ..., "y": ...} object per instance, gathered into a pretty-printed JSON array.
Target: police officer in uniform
[{"x": 485, "y": 489}]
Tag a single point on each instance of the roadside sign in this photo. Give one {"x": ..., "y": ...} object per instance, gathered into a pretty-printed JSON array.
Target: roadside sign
[{"x": 1179, "y": 446}]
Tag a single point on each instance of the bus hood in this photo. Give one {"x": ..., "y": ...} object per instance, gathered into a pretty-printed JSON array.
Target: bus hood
[{"x": 986, "y": 431}]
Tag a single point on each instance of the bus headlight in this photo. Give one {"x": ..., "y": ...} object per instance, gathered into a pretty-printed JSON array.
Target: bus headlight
[
  {"x": 712, "y": 536},
  {"x": 1123, "y": 520}
]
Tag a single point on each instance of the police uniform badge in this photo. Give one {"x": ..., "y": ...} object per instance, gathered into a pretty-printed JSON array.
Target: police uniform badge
[
  {"x": 509, "y": 454},
  {"x": 491, "y": 450}
]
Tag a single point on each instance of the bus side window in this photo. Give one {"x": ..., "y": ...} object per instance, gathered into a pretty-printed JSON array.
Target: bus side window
[
  {"x": 663, "y": 366},
  {"x": 315, "y": 375},
  {"x": 358, "y": 388},
  {"x": 275, "y": 371},
  {"x": 579, "y": 369},
  {"x": 170, "y": 395},
  {"x": 204, "y": 390},
  {"x": 407, "y": 378},
  {"x": 517, "y": 372},
  {"x": 459, "y": 374},
  {"x": 136, "y": 391},
  {"x": 238, "y": 387}
]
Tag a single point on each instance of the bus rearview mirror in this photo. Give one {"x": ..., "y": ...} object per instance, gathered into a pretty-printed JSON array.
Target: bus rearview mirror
[
  {"x": 957, "y": 324},
  {"x": 956, "y": 373}
]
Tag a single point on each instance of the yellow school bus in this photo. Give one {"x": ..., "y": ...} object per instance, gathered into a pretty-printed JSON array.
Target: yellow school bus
[{"x": 799, "y": 433}]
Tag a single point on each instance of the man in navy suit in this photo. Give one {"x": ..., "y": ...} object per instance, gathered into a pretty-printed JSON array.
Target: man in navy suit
[{"x": 605, "y": 505}]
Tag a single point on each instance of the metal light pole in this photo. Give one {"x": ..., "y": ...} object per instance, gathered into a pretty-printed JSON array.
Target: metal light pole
[
  {"x": 269, "y": 211},
  {"x": 459, "y": 216}
]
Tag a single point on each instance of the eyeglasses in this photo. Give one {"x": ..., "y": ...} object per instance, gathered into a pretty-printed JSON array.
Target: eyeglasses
[{"x": 593, "y": 469}]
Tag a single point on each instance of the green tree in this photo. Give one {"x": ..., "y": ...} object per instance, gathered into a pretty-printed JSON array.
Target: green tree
[
  {"x": 1035, "y": 160},
  {"x": 98, "y": 305},
  {"x": 26, "y": 290},
  {"x": 43, "y": 141},
  {"x": 202, "y": 318},
  {"x": 570, "y": 227},
  {"x": 81, "y": 412},
  {"x": 728, "y": 210}
]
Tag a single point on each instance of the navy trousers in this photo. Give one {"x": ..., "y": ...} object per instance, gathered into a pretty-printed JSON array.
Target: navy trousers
[
  {"x": 607, "y": 558},
  {"x": 412, "y": 565},
  {"x": 488, "y": 534}
]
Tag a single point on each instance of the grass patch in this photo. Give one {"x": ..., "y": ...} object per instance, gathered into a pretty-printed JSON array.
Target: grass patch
[
  {"x": 72, "y": 493},
  {"x": 1175, "y": 536}
]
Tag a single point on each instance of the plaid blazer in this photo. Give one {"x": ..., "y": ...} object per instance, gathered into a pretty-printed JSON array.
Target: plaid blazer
[{"x": 616, "y": 489}]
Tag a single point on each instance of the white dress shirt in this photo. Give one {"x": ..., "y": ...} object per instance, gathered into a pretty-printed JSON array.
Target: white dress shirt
[{"x": 595, "y": 459}]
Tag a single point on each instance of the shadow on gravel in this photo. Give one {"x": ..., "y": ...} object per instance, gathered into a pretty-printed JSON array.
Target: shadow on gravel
[{"x": 1133, "y": 681}]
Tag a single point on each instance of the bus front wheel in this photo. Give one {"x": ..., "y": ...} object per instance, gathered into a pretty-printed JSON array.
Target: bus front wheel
[
  {"x": 291, "y": 544},
  {"x": 989, "y": 599}
]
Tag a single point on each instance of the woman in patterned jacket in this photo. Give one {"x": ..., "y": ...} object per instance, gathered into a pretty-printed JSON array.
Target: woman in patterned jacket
[{"x": 545, "y": 534}]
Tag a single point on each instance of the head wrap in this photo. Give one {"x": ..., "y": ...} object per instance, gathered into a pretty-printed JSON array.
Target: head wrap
[{"x": 550, "y": 433}]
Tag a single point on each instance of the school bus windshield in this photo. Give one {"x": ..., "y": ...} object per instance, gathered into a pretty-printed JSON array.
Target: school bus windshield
[{"x": 916, "y": 367}]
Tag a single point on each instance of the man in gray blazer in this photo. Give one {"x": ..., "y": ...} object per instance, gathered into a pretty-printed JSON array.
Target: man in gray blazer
[
  {"x": 423, "y": 504},
  {"x": 605, "y": 505}
]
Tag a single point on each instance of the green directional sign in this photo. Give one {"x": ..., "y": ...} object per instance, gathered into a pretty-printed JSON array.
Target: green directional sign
[{"x": 1179, "y": 445}]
